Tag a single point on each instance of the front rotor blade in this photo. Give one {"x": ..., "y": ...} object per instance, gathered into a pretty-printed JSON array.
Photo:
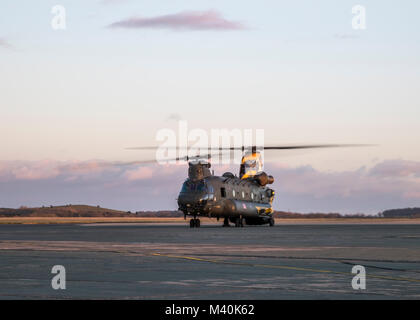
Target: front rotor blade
[{"x": 89, "y": 165}]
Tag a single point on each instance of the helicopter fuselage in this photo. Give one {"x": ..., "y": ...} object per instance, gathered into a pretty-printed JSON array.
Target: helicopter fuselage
[{"x": 228, "y": 197}]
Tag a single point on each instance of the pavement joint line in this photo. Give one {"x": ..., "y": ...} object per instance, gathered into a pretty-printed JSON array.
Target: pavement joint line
[{"x": 280, "y": 267}]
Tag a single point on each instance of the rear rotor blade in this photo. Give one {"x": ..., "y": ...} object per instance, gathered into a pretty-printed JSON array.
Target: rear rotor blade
[{"x": 283, "y": 147}]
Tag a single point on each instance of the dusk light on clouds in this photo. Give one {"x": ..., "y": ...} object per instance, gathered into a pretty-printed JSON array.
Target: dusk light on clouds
[{"x": 188, "y": 20}]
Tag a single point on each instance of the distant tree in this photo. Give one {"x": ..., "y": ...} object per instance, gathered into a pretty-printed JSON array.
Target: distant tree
[{"x": 401, "y": 213}]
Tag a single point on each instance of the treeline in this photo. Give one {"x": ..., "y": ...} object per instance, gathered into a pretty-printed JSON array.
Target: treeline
[
  {"x": 81, "y": 211},
  {"x": 63, "y": 211},
  {"x": 295, "y": 215},
  {"x": 401, "y": 213},
  {"x": 97, "y": 211}
]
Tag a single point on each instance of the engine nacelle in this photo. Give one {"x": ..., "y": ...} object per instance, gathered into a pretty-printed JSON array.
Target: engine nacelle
[{"x": 264, "y": 179}]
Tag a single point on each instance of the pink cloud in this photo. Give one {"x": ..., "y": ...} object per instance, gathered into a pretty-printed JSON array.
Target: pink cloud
[
  {"x": 50, "y": 169},
  {"x": 142, "y": 173},
  {"x": 39, "y": 170},
  {"x": 412, "y": 194},
  {"x": 391, "y": 177},
  {"x": 84, "y": 167},
  {"x": 397, "y": 168},
  {"x": 186, "y": 20}
]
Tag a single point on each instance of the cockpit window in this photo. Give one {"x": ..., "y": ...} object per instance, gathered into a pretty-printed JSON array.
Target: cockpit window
[{"x": 198, "y": 187}]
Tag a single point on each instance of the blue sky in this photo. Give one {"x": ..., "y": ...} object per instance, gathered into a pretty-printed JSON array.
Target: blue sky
[{"x": 295, "y": 68}]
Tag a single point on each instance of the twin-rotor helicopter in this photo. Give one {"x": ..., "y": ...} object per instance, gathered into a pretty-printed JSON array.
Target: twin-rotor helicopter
[{"x": 238, "y": 199}]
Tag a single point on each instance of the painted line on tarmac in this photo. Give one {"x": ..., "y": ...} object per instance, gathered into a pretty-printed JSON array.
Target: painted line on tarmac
[{"x": 279, "y": 267}]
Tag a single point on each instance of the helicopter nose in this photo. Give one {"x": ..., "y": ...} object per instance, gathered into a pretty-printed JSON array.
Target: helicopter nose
[
  {"x": 191, "y": 202},
  {"x": 192, "y": 199}
]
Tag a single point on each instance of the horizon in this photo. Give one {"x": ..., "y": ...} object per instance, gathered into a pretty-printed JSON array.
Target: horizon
[{"x": 63, "y": 206}]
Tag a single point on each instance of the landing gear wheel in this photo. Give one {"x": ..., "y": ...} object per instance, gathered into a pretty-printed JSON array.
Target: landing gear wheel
[
  {"x": 239, "y": 222},
  {"x": 195, "y": 223},
  {"x": 226, "y": 222},
  {"x": 271, "y": 222}
]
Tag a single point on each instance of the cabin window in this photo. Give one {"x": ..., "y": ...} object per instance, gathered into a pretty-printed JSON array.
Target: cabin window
[
  {"x": 243, "y": 195},
  {"x": 233, "y": 193},
  {"x": 210, "y": 188},
  {"x": 223, "y": 192}
]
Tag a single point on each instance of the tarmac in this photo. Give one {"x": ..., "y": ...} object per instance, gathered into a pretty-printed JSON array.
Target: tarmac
[{"x": 172, "y": 261}]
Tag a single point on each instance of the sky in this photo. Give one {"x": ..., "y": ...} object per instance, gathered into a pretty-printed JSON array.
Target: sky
[{"x": 122, "y": 70}]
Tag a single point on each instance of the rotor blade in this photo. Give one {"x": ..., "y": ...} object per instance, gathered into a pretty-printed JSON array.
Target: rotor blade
[
  {"x": 89, "y": 165},
  {"x": 284, "y": 147},
  {"x": 92, "y": 165},
  {"x": 314, "y": 146}
]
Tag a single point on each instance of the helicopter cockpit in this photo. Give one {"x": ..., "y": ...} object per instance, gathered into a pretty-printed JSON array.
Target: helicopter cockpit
[{"x": 200, "y": 189}]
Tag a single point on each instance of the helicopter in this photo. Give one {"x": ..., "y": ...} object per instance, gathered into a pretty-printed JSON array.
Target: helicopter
[{"x": 244, "y": 199}]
